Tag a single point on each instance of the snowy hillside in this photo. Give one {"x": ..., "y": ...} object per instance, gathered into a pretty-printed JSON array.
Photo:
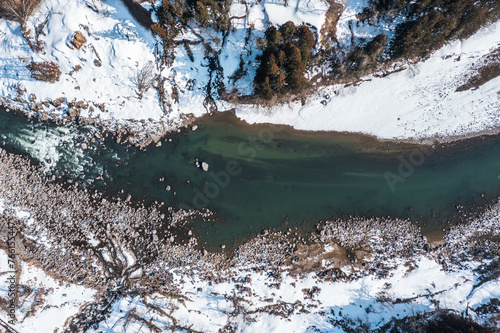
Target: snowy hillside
[
  {"x": 102, "y": 74},
  {"x": 209, "y": 307},
  {"x": 421, "y": 101},
  {"x": 45, "y": 302},
  {"x": 100, "y": 80},
  {"x": 102, "y": 71}
]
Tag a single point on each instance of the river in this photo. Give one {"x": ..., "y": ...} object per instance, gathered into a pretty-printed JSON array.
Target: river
[{"x": 264, "y": 177}]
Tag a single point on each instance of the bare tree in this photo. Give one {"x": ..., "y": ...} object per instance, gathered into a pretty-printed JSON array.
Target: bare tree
[
  {"x": 145, "y": 78},
  {"x": 18, "y": 10}
]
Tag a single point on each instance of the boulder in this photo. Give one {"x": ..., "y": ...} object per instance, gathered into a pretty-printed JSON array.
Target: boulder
[
  {"x": 73, "y": 112},
  {"x": 58, "y": 101},
  {"x": 78, "y": 40}
]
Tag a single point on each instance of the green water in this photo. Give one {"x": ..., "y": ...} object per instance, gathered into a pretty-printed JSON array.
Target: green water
[{"x": 262, "y": 177}]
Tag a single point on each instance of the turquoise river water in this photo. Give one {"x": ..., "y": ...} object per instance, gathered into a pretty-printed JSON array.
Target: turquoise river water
[{"x": 265, "y": 177}]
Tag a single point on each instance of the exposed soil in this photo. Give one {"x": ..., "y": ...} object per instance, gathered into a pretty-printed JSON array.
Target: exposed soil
[
  {"x": 329, "y": 29},
  {"x": 488, "y": 70}
]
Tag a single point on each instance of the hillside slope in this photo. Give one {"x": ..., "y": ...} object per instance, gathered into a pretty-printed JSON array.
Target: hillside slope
[{"x": 213, "y": 70}]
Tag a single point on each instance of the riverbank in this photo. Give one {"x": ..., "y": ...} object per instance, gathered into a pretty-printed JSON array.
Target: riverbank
[
  {"x": 79, "y": 236},
  {"x": 424, "y": 102}
]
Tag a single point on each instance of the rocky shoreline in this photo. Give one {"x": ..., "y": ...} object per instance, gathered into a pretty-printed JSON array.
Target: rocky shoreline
[
  {"x": 140, "y": 133},
  {"x": 87, "y": 224},
  {"x": 79, "y": 236}
]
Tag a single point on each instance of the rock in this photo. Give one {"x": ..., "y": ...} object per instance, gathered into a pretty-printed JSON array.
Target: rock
[
  {"x": 84, "y": 146},
  {"x": 190, "y": 233},
  {"x": 204, "y": 166},
  {"x": 73, "y": 112},
  {"x": 204, "y": 252},
  {"x": 223, "y": 246},
  {"x": 195, "y": 127},
  {"x": 171, "y": 239},
  {"x": 58, "y": 101},
  {"x": 78, "y": 40}
]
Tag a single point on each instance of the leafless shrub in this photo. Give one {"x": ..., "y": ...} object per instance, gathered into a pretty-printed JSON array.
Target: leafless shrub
[
  {"x": 18, "y": 10},
  {"x": 47, "y": 71},
  {"x": 94, "y": 5},
  {"x": 145, "y": 78}
]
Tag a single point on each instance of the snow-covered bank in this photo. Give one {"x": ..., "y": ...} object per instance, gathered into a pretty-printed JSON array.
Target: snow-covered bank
[
  {"x": 418, "y": 102},
  {"x": 256, "y": 302},
  {"x": 43, "y": 303},
  {"x": 350, "y": 272}
]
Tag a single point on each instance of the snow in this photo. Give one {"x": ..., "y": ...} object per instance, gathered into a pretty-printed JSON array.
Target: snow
[
  {"x": 207, "y": 308},
  {"x": 59, "y": 300},
  {"x": 261, "y": 14},
  {"x": 129, "y": 257},
  {"x": 352, "y": 31},
  {"x": 418, "y": 102},
  {"x": 298, "y": 11},
  {"x": 122, "y": 47}
]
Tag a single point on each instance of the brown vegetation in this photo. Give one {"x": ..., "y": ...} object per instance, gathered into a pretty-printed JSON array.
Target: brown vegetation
[
  {"x": 47, "y": 71},
  {"x": 174, "y": 15},
  {"x": 433, "y": 22},
  {"x": 18, "y": 10},
  {"x": 362, "y": 59},
  {"x": 139, "y": 13},
  {"x": 329, "y": 29}
]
